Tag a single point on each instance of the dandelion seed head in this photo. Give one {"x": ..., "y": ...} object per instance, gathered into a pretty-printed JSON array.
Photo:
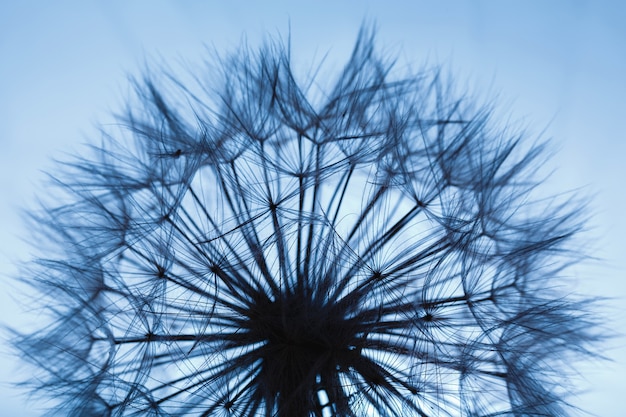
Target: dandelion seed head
[{"x": 242, "y": 249}]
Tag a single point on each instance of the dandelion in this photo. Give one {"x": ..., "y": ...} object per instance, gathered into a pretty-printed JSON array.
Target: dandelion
[{"x": 262, "y": 246}]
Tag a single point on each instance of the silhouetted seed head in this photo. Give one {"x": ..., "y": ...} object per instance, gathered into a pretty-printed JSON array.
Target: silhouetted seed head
[{"x": 259, "y": 246}]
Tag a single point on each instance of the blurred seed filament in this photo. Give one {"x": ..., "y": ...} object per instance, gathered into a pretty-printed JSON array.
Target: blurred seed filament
[{"x": 260, "y": 246}]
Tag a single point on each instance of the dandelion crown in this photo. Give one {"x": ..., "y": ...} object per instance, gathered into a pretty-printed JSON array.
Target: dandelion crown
[{"x": 240, "y": 249}]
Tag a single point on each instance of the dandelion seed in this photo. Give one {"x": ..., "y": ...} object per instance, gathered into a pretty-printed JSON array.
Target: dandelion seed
[{"x": 270, "y": 250}]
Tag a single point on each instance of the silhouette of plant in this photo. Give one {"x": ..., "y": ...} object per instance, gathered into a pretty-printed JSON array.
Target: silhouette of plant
[{"x": 261, "y": 246}]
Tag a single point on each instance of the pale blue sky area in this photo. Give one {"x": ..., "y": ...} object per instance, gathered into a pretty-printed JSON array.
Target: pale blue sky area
[{"x": 556, "y": 66}]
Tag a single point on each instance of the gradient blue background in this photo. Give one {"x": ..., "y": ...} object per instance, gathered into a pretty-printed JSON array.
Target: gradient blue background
[{"x": 558, "y": 67}]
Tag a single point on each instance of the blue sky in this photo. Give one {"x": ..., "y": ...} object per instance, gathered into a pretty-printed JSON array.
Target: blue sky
[{"x": 557, "y": 67}]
